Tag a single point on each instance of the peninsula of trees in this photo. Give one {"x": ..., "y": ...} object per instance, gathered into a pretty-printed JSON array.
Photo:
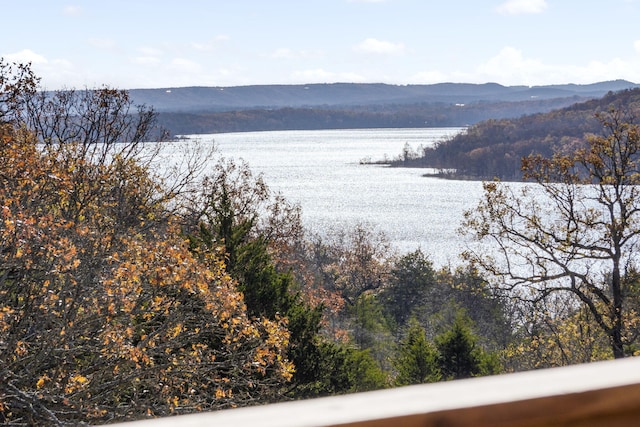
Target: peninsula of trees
[{"x": 494, "y": 148}]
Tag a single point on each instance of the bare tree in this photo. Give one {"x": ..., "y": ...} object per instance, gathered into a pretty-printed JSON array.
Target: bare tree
[
  {"x": 17, "y": 82},
  {"x": 574, "y": 231}
]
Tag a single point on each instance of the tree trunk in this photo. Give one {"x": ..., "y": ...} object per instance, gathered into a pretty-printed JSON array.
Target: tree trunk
[
  {"x": 616, "y": 290},
  {"x": 616, "y": 343}
]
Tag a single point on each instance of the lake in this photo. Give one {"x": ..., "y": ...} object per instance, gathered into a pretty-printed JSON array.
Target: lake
[{"x": 322, "y": 171}]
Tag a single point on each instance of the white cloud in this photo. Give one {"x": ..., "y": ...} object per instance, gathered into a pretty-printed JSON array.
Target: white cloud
[
  {"x": 25, "y": 56},
  {"x": 636, "y": 46},
  {"x": 72, "y": 10},
  {"x": 186, "y": 66},
  {"x": 519, "y": 7},
  {"x": 283, "y": 53},
  {"x": 150, "y": 51},
  {"x": 55, "y": 73},
  {"x": 319, "y": 75},
  {"x": 104, "y": 44},
  {"x": 616, "y": 68},
  {"x": 149, "y": 56},
  {"x": 510, "y": 58},
  {"x": 210, "y": 45},
  {"x": 511, "y": 67},
  {"x": 286, "y": 53},
  {"x": 146, "y": 60},
  {"x": 429, "y": 77},
  {"x": 380, "y": 47}
]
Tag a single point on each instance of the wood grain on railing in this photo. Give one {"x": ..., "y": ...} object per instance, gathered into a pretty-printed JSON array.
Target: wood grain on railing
[{"x": 602, "y": 394}]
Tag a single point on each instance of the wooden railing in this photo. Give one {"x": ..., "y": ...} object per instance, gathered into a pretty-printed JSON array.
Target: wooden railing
[{"x": 602, "y": 394}]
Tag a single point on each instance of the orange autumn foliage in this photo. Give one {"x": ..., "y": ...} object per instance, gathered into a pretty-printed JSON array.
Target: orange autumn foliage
[{"x": 104, "y": 312}]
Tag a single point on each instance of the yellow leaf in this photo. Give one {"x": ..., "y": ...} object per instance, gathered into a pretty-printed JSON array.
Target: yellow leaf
[{"x": 41, "y": 381}]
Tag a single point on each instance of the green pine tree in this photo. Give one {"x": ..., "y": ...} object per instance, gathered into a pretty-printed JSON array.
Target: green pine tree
[
  {"x": 417, "y": 359},
  {"x": 460, "y": 356},
  {"x": 230, "y": 221}
]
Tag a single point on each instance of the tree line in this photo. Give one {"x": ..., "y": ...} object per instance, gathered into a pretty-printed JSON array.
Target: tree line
[
  {"x": 494, "y": 148},
  {"x": 418, "y": 115},
  {"x": 131, "y": 288}
]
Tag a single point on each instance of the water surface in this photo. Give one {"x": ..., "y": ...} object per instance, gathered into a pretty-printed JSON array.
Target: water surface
[{"x": 322, "y": 171}]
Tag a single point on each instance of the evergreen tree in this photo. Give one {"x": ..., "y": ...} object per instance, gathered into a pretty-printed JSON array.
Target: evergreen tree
[
  {"x": 411, "y": 285},
  {"x": 460, "y": 356},
  {"x": 417, "y": 358},
  {"x": 371, "y": 329},
  {"x": 364, "y": 372},
  {"x": 233, "y": 221}
]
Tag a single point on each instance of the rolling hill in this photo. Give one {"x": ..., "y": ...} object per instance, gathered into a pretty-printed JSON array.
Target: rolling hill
[
  {"x": 205, "y": 110},
  {"x": 209, "y": 99}
]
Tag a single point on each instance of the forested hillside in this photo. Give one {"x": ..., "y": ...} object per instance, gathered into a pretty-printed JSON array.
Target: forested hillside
[
  {"x": 193, "y": 110},
  {"x": 355, "y": 117},
  {"x": 495, "y": 147},
  {"x": 132, "y": 291},
  {"x": 215, "y": 99}
]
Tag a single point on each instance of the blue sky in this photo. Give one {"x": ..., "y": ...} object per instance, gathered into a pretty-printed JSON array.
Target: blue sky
[{"x": 159, "y": 43}]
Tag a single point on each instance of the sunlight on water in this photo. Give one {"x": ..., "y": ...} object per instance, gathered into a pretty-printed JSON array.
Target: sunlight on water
[{"x": 321, "y": 170}]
